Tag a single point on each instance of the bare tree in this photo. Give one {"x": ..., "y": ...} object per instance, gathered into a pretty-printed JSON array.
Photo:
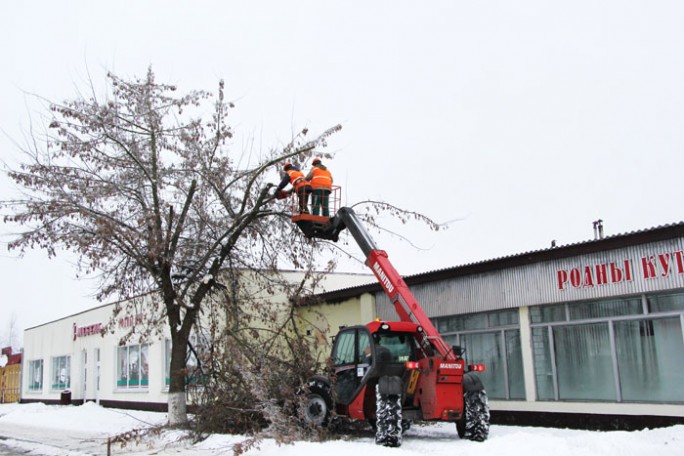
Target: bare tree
[
  {"x": 10, "y": 337},
  {"x": 146, "y": 189},
  {"x": 258, "y": 357}
]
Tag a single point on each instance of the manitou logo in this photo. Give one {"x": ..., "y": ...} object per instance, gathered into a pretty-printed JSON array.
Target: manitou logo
[
  {"x": 450, "y": 366},
  {"x": 383, "y": 277}
]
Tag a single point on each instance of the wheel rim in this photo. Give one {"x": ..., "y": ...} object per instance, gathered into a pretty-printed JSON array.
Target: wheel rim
[{"x": 316, "y": 409}]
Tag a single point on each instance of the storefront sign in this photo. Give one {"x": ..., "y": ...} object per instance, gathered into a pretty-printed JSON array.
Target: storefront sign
[
  {"x": 129, "y": 321},
  {"x": 648, "y": 267},
  {"x": 90, "y": 330}
]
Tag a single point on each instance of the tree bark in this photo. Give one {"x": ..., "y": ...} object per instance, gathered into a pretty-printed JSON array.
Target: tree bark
[
  {"x": 176, "y": 398},
  {"x": 177, "y": 409}
]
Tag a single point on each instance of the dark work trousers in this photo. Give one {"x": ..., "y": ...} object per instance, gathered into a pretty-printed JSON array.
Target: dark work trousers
[
  {"x": 321, "y": 197},
  {"x": 303, "y": 193}
]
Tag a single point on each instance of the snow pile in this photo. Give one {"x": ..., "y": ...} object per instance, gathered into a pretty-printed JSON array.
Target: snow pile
[
  {"x": 88, "y": 417},
  {"x": 38, "y": 429}
]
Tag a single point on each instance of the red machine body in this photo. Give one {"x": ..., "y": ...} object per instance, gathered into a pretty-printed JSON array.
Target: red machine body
[{"x": 406, "y": 359}]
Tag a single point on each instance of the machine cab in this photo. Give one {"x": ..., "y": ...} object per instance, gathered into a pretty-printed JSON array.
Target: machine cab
[{"x": 360, "y": 357}]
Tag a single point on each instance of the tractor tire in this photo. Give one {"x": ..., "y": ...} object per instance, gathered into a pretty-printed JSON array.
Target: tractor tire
[
  {"x": 388, "y": 429},
  {"x": 317, "y": 406},
  {"x": 460, "y": 427},
  {"x": 475, "y": 425},
  {"x": 405, "y": 425}
]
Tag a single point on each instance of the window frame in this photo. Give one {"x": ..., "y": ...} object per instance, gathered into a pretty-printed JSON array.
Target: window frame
[
  {"x": 489, "y": 324},
  {"x": 202, "y": 345},
  {"x": 547, "y": 327},
  {"x": 56, "y": 364},
  {"x": 32, "y": 367},
  {"x": 123, "y": 380}
]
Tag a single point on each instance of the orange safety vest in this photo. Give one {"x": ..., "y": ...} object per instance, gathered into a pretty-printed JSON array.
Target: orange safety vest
[
  {"x": 297, "y": 179},
  {"x": 321, "y": 178}
]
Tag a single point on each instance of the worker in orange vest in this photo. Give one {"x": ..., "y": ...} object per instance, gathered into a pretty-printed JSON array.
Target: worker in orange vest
[
  {"x": 299, "y": 184},
  {"x": 321, "y": 185}
]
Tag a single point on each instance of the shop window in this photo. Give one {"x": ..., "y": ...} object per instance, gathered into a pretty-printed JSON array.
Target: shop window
[
  {"x": 584, "y": 362},
  {"x": 167, "y": 361},
  {"x": 61, "y": 373},
  {"x": 199, "y": 346},
  {"x": 543, "y": 364},
  {"x": 133, "y": 366},
  {"x": 462, "y": 322},
  {"x": 650, "y": 356},
  {"x": 485, "y": 348},
  {"x": 666, "y": 303},
  {"x": 503, "y": 318},
  {"x": 35, "y": 375},
  {"x": 621, "y": 348},
  {"x": 514, "y": 362},
  {"x": 499, "y": 350},
  {"x": 482, "y": 320},
  {"x": 440, "y": 324},
  {"x": 606, "y": 308},
  {"x": 548, "y": 314}
]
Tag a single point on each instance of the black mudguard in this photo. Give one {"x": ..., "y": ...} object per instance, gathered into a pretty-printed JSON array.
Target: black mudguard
[{"x": 472, "y": 382}]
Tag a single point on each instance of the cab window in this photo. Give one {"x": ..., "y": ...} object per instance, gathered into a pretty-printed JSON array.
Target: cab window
[
  {"x": 365, "y": 351},
  {"x": 344, "y": 348},
  {"x": 402, "y": 347}
]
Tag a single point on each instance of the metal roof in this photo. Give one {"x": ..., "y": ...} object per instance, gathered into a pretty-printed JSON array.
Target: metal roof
[{"x": 616, "y": 241}]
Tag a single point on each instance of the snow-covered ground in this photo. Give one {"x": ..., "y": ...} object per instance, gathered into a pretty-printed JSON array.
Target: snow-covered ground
[{"x": 38, "y": 429}]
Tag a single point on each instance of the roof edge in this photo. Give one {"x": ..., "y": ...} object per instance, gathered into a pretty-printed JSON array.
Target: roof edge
[{"x": 660, "y": 233}]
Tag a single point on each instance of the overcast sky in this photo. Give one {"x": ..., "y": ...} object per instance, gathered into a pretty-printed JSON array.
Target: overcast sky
[{"x": 527, "y": 120}]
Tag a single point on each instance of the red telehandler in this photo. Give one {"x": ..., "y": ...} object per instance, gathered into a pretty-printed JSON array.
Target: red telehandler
[{"x": 391, "y": 373}]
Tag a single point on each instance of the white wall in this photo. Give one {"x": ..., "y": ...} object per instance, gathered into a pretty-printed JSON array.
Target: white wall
[{"x": 57, "y": 338}]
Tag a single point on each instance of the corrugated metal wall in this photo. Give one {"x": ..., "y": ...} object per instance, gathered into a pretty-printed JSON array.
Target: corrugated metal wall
[{"x": 642, "y": 268}]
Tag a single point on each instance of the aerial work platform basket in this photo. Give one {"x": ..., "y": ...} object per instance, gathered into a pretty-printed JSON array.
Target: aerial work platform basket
[{"x": 312, "y": 222}]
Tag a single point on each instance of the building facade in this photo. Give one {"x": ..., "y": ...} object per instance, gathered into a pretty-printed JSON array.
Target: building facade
[
  {"x": 72, "y": 360},
  {"x": 584, "y": 335}
]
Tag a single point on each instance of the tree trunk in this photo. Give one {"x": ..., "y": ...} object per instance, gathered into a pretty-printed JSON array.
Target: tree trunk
[
  {"x": 177, "y": 409},
  {"x": 176, "y": 401}
]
